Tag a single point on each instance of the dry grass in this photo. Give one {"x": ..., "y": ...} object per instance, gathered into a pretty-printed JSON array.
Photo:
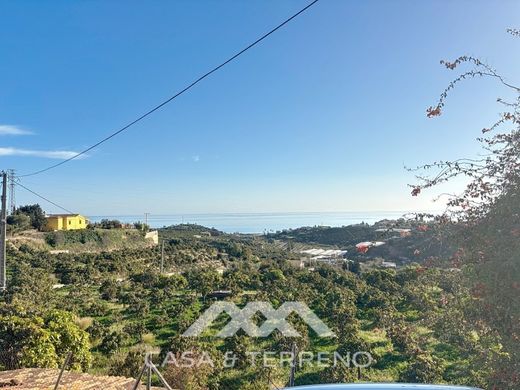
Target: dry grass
[
  {"x": 148, "y": 338},
  {"x": 84, "y": 323}
]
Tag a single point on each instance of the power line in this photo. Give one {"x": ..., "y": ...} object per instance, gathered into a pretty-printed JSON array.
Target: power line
[
  {"x": 185, "y": 89},
  {"x": 44, "y": 198}
]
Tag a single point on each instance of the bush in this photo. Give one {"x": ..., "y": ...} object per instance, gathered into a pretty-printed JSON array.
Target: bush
[
  {"x": 35, "y": 214},
  {"x": 18, "y": 222},
  {"x": 112, "y": 342},
  {"x": 70, "y": 237},
  {"x": 110, "y": 224},
  {"x": 128, "y": 365}
]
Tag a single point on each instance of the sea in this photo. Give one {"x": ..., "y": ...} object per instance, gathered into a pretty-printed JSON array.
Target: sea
[{"x": 258, "y": 223}]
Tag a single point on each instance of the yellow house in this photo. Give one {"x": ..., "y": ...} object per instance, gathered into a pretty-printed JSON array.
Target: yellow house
[{"x": 65, "y": 222}]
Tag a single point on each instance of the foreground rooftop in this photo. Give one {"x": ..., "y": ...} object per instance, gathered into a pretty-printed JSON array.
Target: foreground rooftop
[{"x": 45, "y": 378}]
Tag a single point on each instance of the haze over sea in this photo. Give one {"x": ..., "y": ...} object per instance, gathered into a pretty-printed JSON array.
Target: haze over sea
[{"x": 258, "y": 222}]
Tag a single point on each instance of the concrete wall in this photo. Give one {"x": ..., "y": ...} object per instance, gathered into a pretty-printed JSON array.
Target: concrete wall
[{"x": 153, "y": 235}]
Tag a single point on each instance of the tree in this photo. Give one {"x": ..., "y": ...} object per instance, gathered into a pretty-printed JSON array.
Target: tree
[
  {"x": 338, "y": 374},
  {"x": 129, "y": 365},
  {"x": 109, "y": 289},
  {"x": 110, "y": 224},
  {"x": 423, "y": 368},
  {"x": 239, "y": 345},
  {"x": 35, "y": 213},
  {"x": 141, "y": 226},
  {"x": 68, "y": 337},
  {"x": 186, "y": 377},
  {"x": 486, "y": 215},
  {"x": 204, "y": 281},
  {"x": 32, "y": 285},
  {"x": 97, "y": 330},
  {"x": 26, "y": 343},
  {"x": 44, "y": 342},
  {"x": 112, "y": 342},
  {"x": 192, "y": 365},
  {"x": 353, "y": 266},
  {"x": 18, "y": 222}
]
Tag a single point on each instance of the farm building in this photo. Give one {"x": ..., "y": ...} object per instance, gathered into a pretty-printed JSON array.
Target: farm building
[{"x": 65, "y": 222}]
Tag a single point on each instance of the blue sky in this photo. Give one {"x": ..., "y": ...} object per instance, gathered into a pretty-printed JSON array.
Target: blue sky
[{"x": 321, "y": 116}]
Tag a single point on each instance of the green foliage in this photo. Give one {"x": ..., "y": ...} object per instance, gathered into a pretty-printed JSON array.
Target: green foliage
[
  {"x": 109, "y": 289},
  {"x": 68, "y": 337},
  {"x": 325, "y": 235},
  {"x": 204, "y": 281},
  {"x": 112, "y": 342},
  {"x": 95, "y": 239},
  {"x": 128, "y": 365},
  {"x": 141, "y": 226},
  {"x": 18, "y": 222},
  {"x": 394, "y": 315},
  {"x": 67, "y": 237},
  {"x": 423, "y": 368},
  {"x": 31, "y": 286},
  {"x": 419, "y": 245},
  {"x": 110, "y": 224},
  {"x": 27, "y": 342},
  {"x": 44, "y": 342},
  {"x": 239, "y": 345},
  {"x": 35, "y": 214}
]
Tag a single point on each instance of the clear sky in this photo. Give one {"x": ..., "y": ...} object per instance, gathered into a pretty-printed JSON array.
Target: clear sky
[{"x": 322, "y": 116}]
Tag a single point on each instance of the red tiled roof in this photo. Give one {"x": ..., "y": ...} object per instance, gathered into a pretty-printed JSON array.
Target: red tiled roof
[{"x": 45, "y": 379}]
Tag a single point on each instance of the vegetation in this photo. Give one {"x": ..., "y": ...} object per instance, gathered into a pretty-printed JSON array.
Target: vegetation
[
  {"x": 96, "y": 239},
  {"x": 107, "y": 224},
  {"x": 25, "y": 217},
  {"x": 449, "y": 314},
  {"x": 409, "y": 320},
  {"x": 486, "y": 214},
  {"x": 422, "y": 242}
]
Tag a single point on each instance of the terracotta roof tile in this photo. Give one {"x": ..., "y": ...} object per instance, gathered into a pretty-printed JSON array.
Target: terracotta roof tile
[{"x": 44, "y": 379}]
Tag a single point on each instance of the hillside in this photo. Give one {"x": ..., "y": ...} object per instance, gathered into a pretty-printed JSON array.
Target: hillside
[
  {"x": 420, "y": 243},
  {"x": 85, "y": 240},
  {"x": 123, "y": 306}
]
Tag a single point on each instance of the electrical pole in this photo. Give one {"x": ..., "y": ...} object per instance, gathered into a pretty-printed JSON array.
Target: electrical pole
[
  {"x": 12, "y": 199},
  {"x": 162, "y": 257},
  {"x": 146, "y": 218},
  {"x": 3, "y": 228}
]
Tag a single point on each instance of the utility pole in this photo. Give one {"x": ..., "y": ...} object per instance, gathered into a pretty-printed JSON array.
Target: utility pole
[
  {"x": 146, "y": 218},
  {"x": 162, "y": 257},
  {"x": 12, "y": 199},
  {"x": 3, "y": 228}
]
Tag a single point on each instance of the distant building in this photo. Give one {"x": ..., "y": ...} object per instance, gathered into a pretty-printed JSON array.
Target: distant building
[
  {"x": 402, "y": 232},
  {"x": 388, "y": 264},
  {"x": 152, "y": 235},
  {"x": 363, "y": 247},
  {"x": 323, "y": 256},
  {"x": 65, "y": 222},
  {"x": 396, "y": 230},
  {"x": 336, "y": 253}
]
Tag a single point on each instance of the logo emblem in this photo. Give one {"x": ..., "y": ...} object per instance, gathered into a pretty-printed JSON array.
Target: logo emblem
[{"x": 242, "y": 319}]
